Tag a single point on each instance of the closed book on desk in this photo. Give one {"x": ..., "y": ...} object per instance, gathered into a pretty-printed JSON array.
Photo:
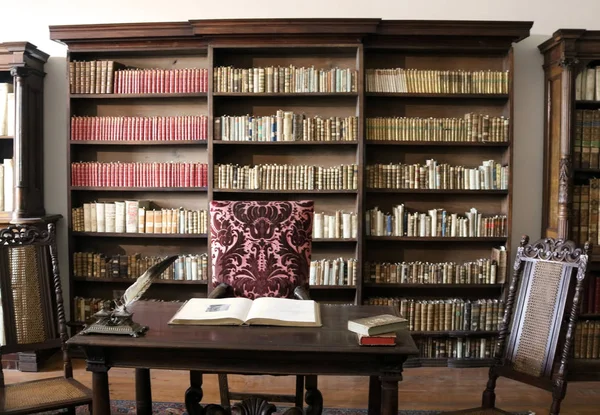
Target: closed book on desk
[
  {"x": 386, "y": 339},
  {"x": 266, "y": 311},
  {"x": 384, "y": 323}
]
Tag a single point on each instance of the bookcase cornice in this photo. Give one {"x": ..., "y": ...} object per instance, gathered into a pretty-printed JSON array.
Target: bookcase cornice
[
  {"x": 70, "y": 34},
  {"x": 14, "y": 54},
  {"x": 509, "y": 30},
  {"x": 284, "y": 26}
]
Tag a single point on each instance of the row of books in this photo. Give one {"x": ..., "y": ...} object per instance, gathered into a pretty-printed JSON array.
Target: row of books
[
  {"x": 481, "y": 271},
  {"x": 587, "y": 84},
  {"x": 99, "y": 265},
  {"x": 433, "y": 223},
  {"x": 139, "y": 174},
  {"x": 401, "y": 80},
  {"x": 285, "y": 126},
  {"x": 590, "y": 301},
  {"x": 489, "y": 176},
  {"x": 338, "y": 271},
  {"x": 471, "y": 128},
  {"x": 7, "y": 185},
  {"x": 586, "y": 140},
  {"x": 584, "y": 214},
  {"x": 587, "y": 340},
  {"x": 7, "y": 110},
  {"x": 337, "y": 225},
  {"x": 452, "y": 314},
  {"x": 92, "y": 77},
  {"x": 161, "y": 81},
  {"x": 286, "y": 177},
  {"x": 185, "y": 127},
  {"x": 456, "y": 348},
  {"x": 283, "y": 79},
  {"x": 137, "y": 216}
]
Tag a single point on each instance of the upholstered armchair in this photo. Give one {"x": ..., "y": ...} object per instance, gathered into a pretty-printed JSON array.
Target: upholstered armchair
[
  {"x": 261, "y": 249},
  {"x": 537, "y": 331}
]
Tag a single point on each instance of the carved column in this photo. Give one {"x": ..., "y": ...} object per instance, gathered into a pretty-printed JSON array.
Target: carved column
[
  {"x": 566, "y": 129},
  {"x": 28, "y": 144}
]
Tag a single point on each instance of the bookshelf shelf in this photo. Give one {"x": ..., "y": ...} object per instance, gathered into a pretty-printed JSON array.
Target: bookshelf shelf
[
  {"x": 441, "y": 191},
  {"x": 137, "y": 189},
  {"x": 333, "y": 287},
  {"x": 284, "y": 143},
  {"x": 433, "y": 286},
  {"x": 285, "y": 94},
  {"x": 438, "y": 96},
  {"x": 387, "y": 44},
  {"x": 284, "y": 191},
  {"x": 455, "y": 333},
  {"x": 141, "y": 235},
  {"x": 436, "y": 143},
  {"x": 138, "y": 143},
  {"x": 435, "y": 239},
  {"x": 319, "y": 240},
  {"x": 137, "y": 96}
]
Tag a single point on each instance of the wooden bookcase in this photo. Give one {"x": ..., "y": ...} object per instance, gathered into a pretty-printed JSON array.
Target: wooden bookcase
[
  {"x": 571, "y": 137},
  {"x": 357, "y": 45}
]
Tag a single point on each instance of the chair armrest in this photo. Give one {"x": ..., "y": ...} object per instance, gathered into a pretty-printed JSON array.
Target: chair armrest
[
  {"x": 223, "y": 290},
  {"x": 301, "y": 294}
]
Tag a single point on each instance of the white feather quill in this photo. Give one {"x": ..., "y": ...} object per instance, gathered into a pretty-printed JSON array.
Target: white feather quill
[{"x": 138, "y": 288}]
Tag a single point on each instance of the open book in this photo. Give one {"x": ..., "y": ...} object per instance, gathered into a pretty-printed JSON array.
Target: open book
[{"x": 267, "y": 311}]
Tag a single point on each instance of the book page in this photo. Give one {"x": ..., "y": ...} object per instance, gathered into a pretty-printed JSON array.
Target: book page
[
  {"x": 284, "y": 312},
  {"x": 208, "y": 311}
]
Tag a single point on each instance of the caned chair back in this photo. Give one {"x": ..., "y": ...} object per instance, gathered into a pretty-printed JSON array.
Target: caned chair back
[
  {"x": 30, "y": 288},
  {"x": 261, "y": 249},
  {"x": 547, "y": 283}
]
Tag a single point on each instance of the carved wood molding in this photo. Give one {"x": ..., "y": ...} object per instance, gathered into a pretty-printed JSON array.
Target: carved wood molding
[
  {"x": 564, "y": 176},
  {"x": 14, "y": 235},
  {"x": 559, "y": 250}
]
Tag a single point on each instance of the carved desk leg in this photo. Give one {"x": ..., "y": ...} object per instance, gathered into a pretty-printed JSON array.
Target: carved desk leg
[
  {"x": 194, "y": 395},
  {"x": 313, "y": 397},
  {"x": 374, "y": 395},
  {"x": 258, "y": 406},
  {"x": 143, "y": 392},
  {"x": 389, "y": 390},
  {"x": 96, "y": 363}
]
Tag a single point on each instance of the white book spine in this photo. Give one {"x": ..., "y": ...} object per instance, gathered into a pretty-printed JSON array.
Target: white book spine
[
  {"x": 100, "y": 218},
  {"x": 8, "y": 185},
  {"x": 109, "y": 217},
  {"x": 131, "y": 216},
  {"x": 120, "y": 217}
]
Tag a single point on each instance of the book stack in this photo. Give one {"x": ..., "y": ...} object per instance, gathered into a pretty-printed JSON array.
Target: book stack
[{"x": 377, "y": 330}]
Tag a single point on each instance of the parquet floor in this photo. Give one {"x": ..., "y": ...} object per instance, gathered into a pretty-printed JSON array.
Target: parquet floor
[{"x": 422, "y": 388}]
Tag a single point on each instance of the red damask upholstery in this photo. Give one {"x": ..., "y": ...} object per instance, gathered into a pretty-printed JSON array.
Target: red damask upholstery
[{"x": 261, "y": 249}]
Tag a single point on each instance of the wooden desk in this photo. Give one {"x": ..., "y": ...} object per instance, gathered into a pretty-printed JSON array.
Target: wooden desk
[{"x": 328, "y": 350}]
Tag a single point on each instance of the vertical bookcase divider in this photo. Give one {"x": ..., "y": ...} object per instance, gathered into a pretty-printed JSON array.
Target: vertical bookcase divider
[{"x": 357, "y": 45}]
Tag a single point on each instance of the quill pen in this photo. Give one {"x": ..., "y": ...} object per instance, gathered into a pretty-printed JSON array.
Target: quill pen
[{"x": 138, "y": 288}]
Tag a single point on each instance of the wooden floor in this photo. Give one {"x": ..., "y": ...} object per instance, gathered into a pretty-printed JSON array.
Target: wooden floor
[{"x": 422, "y": 388}]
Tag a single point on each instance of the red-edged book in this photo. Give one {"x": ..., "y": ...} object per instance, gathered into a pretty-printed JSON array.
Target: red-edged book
[{"x": 385, "y": 339}]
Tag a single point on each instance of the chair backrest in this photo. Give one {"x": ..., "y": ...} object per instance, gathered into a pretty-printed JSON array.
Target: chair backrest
[
  {"x": 261, "y": 249},
  {"x": 31, "y": 291},
  {"x": 542, "y": 306}
]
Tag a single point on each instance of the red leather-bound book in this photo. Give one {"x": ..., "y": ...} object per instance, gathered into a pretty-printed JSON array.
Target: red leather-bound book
[{"x": 386, "y": 339}]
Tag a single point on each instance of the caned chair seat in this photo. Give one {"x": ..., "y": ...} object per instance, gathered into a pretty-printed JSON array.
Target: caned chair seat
[{"x": 42, "y": 395}]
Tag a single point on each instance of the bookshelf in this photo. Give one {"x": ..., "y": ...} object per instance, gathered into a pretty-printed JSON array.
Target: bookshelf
[
  {"x": 291, "y": 116},
  {"x": 572, "y": 169}
]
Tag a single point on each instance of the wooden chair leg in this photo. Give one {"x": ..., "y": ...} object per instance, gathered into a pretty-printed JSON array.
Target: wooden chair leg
[
  {"x": 558, "y": 394},
  {"x": 224, "y": 391},
  {"x": 71, "y": 410},
  {"x": 91, "y": 409},
  {"x": 299, "y": 392}
]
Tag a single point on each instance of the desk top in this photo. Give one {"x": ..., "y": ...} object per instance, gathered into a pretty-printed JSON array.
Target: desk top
[{"x": 332, "y": 337}]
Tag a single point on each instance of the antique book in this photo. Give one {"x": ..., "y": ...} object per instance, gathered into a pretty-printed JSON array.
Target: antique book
[
  {"x": 385, "y": 339},
  {"x": 371, "y": 326},
  {"x": 267, "y": 311}
]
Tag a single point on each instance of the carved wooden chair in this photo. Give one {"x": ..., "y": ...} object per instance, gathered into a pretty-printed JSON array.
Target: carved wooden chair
[
  {"x": 262, "y": 249},
  {"x": 34, "y": 319},
  {"x": 537, "y": 331}
]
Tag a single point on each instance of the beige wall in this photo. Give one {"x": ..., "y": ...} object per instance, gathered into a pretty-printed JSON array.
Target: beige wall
[{"x": 29, "y": 20}]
